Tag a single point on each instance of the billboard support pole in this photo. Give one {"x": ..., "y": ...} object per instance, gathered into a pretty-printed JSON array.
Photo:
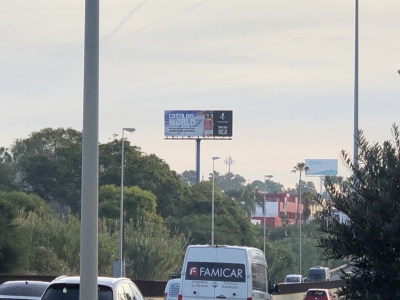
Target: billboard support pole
[{"x": 198, "y": 160}]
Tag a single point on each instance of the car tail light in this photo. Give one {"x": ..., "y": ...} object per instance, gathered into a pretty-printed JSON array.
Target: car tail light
[
  {"x": 249, "y": 298},
  {"x": 179, "y": 297}
]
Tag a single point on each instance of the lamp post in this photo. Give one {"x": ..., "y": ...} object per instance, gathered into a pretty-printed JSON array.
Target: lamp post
[
  {"x": 265, "y": 198},
  {"x": 355, "y": 150},
  {"x": 300, "y": 185},
  {"x": 212, "y": 201},
  {"x": 121, "y": 212}
]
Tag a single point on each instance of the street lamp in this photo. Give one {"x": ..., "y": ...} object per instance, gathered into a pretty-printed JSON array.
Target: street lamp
[
  {"x": 300, "y": 185},
  {"x": 121, "y": 216},
  {"x": 212, "y": 202},
  {"x": 265, "y": 199}
]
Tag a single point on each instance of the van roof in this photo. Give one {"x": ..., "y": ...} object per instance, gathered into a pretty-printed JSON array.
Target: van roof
[{"x": 223, "y": 246}]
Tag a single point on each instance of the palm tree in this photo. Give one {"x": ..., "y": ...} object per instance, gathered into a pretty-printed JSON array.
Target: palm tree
[{"x": 300, "y": 167}]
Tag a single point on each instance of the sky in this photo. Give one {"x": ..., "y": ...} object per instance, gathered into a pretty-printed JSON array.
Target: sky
[{"x": 285, "y": 68}]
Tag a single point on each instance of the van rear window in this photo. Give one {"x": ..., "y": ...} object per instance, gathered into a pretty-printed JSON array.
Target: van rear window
[{"x": 215, "y": 271}]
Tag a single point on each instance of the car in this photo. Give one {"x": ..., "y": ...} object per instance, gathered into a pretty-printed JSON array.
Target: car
[
  {"x": 318, "y": 294},
  {"x": 23, "y": 289},
  {"x": 293, "y": 278},
  {"x": 109, "y": 288},
  {"x": 171, "y": 291}
]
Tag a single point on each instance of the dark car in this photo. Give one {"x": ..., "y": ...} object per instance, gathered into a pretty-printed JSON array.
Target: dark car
[{"x": 23, "y": 290}]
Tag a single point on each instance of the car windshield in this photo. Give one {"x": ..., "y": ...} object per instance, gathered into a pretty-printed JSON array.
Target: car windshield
[
  {"x": 61, "y": 291},
  {"x": 22, "y": 289},
  {"x": 293, "y": 279}
]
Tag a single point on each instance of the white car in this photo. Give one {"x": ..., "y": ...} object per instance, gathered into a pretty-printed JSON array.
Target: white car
[
  {"x": 27, "y": 289},
  {"x": 293, "y": 278},
  {"x": 67, "y": 288},
  {"x": 172, "y": 289}
]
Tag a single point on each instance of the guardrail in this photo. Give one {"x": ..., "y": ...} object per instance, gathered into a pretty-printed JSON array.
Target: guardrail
[{"x": 293, "y": 288}]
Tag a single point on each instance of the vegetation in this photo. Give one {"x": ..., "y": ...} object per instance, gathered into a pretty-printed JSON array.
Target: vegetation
[
  {"x": 40, "y": 181},
  {"x": 370, "y": 237}
]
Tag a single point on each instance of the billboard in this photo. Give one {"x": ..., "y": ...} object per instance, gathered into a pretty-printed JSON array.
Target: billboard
[
  {"x": 321, "y": 167},
  {"x": 198, "y": 123}
]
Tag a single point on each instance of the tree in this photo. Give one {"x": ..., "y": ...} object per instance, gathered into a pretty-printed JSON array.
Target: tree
[
  {"x": 269, "y": 185},
  {"x": 189, "y": 177},
  {"x": 137, "y": 203},
  {"x": 244, "y": 196},
  {"x": 231, "y": 225},
  {"x": 7, "y": 174},
  {"x": 49, "y": 164},
  {"x": 229, "y": 181},
  {"x": 147, "y": 172},
  {"x": 370, "y": 239},
  {"x": 300, "y": 167},
  {"x": 13, "y": 238},
  {"x": 152, "y": 251}
]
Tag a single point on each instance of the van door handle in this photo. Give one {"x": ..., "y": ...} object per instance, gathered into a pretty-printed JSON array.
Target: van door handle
[{"x": 221, "y": 297}]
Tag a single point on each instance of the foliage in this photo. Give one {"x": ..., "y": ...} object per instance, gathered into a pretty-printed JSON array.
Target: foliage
[
  {"x": 370, "y": 239},
  {"x": 231, "y": 224},
  {"x": 7, "y": 174},
  {"x": 148, "y": 172},
  {"x": 269, "y": 185},
  {"x": 49, "y": 164},
  {"x": 152, "y": 251},
  {"x": 137, "y": 202},
  {"x": 189, "y": 177},
  {"x": 13, "y": 239},
  {"x": 245, "y": 198},
  {"x": 308, "y": 199},
  {"x": 229, "y": 181}
]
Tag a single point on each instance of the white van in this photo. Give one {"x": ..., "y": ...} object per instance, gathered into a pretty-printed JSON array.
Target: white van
[
  {"x": 224, "y": 272},
  {"x": 318, "y": 274}
]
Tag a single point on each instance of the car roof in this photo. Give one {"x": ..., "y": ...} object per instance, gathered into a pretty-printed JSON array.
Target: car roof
[
  {"x": 107, "y": 281},
  {"x": 293, "y": 275},
  {"x": 326, "y": 290},
  {"x": 26, "y": 282},
  {"x": 174, "y": 280}
]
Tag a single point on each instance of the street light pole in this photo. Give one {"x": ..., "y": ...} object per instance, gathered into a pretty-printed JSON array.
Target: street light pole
[
  {"x": 300, "y": 225},
  {"x": 355, "y": 150},
  {"x": 121, "y": 211},
  {"x": 212, "y": 201},
  {"x": 265, "y": 199}
]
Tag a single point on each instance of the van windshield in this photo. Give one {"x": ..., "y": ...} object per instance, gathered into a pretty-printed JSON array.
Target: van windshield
[
  {"x": 316, "y": 275},
  {"x": 62, "y": 291}
]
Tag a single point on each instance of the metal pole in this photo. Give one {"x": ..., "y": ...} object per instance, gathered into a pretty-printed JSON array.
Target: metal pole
[
  {"x": 121, "y": 209},
  {"x": 355, "y": 153},
  {"x": 300, "y": 222},
  {"x": 90, "y": 156},
  {"x": 212, "y": 205},
  {"x": 198, "y": 160},
  {"x": 265, "y": 196}
]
